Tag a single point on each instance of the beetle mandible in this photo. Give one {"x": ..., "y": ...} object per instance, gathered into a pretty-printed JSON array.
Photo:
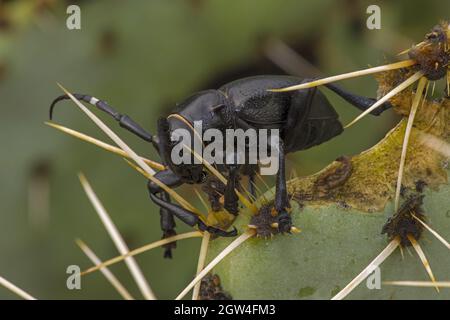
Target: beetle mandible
[{"x": 305, "y": 118}]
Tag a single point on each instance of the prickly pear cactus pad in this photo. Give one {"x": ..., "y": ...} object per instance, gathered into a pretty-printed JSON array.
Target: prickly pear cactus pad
[
  {"x": 334, "y": 246},
  {"x": 342, "y": 211}
]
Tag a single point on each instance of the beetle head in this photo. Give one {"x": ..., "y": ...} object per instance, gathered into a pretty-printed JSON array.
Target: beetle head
[
  {"x": 207, "y": 107},
  {"x": 189, "y": 172}
]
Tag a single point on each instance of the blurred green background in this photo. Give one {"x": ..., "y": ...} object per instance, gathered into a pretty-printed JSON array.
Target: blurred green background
[{"x": 143, "y": 57}]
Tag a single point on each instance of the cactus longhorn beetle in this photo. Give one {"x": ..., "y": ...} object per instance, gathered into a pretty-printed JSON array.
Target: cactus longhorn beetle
[{"x": 305, "y": 118}]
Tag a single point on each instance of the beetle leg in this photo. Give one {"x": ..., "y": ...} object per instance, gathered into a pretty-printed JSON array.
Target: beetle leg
[
  {"x": 190, "y": 218},
  {"x": 167, "y": 223},
  {"x": 281, "y": 195},
  {"x": 167, "y": 208},
  {"x": 167, "y": 220},
  {"x": 124, "y": 120},
  {"x": 362, "y": 103},
  {"x": 231, "y": 198}
]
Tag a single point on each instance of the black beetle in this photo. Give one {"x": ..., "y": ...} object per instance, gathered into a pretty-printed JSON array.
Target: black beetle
[{"x": 305, "y": 118}]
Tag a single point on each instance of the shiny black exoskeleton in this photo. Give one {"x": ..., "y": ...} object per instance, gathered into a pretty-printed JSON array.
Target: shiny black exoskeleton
[{"x": 305, "y": 118}]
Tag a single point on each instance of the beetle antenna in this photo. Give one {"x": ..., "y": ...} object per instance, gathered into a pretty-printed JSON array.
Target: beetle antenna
[
  {"x": 110, "y": 133},
  {"x": 146, "y": 170},
  {"x": 123, "y": 120},
  {"x": 101, "y": 144}
]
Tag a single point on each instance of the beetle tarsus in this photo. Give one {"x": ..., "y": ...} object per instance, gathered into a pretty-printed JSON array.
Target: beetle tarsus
[
  {"x": 169, "y": 246},
  {"x": 215, "y": 231},
  {"x": 284, "y": 222}
]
